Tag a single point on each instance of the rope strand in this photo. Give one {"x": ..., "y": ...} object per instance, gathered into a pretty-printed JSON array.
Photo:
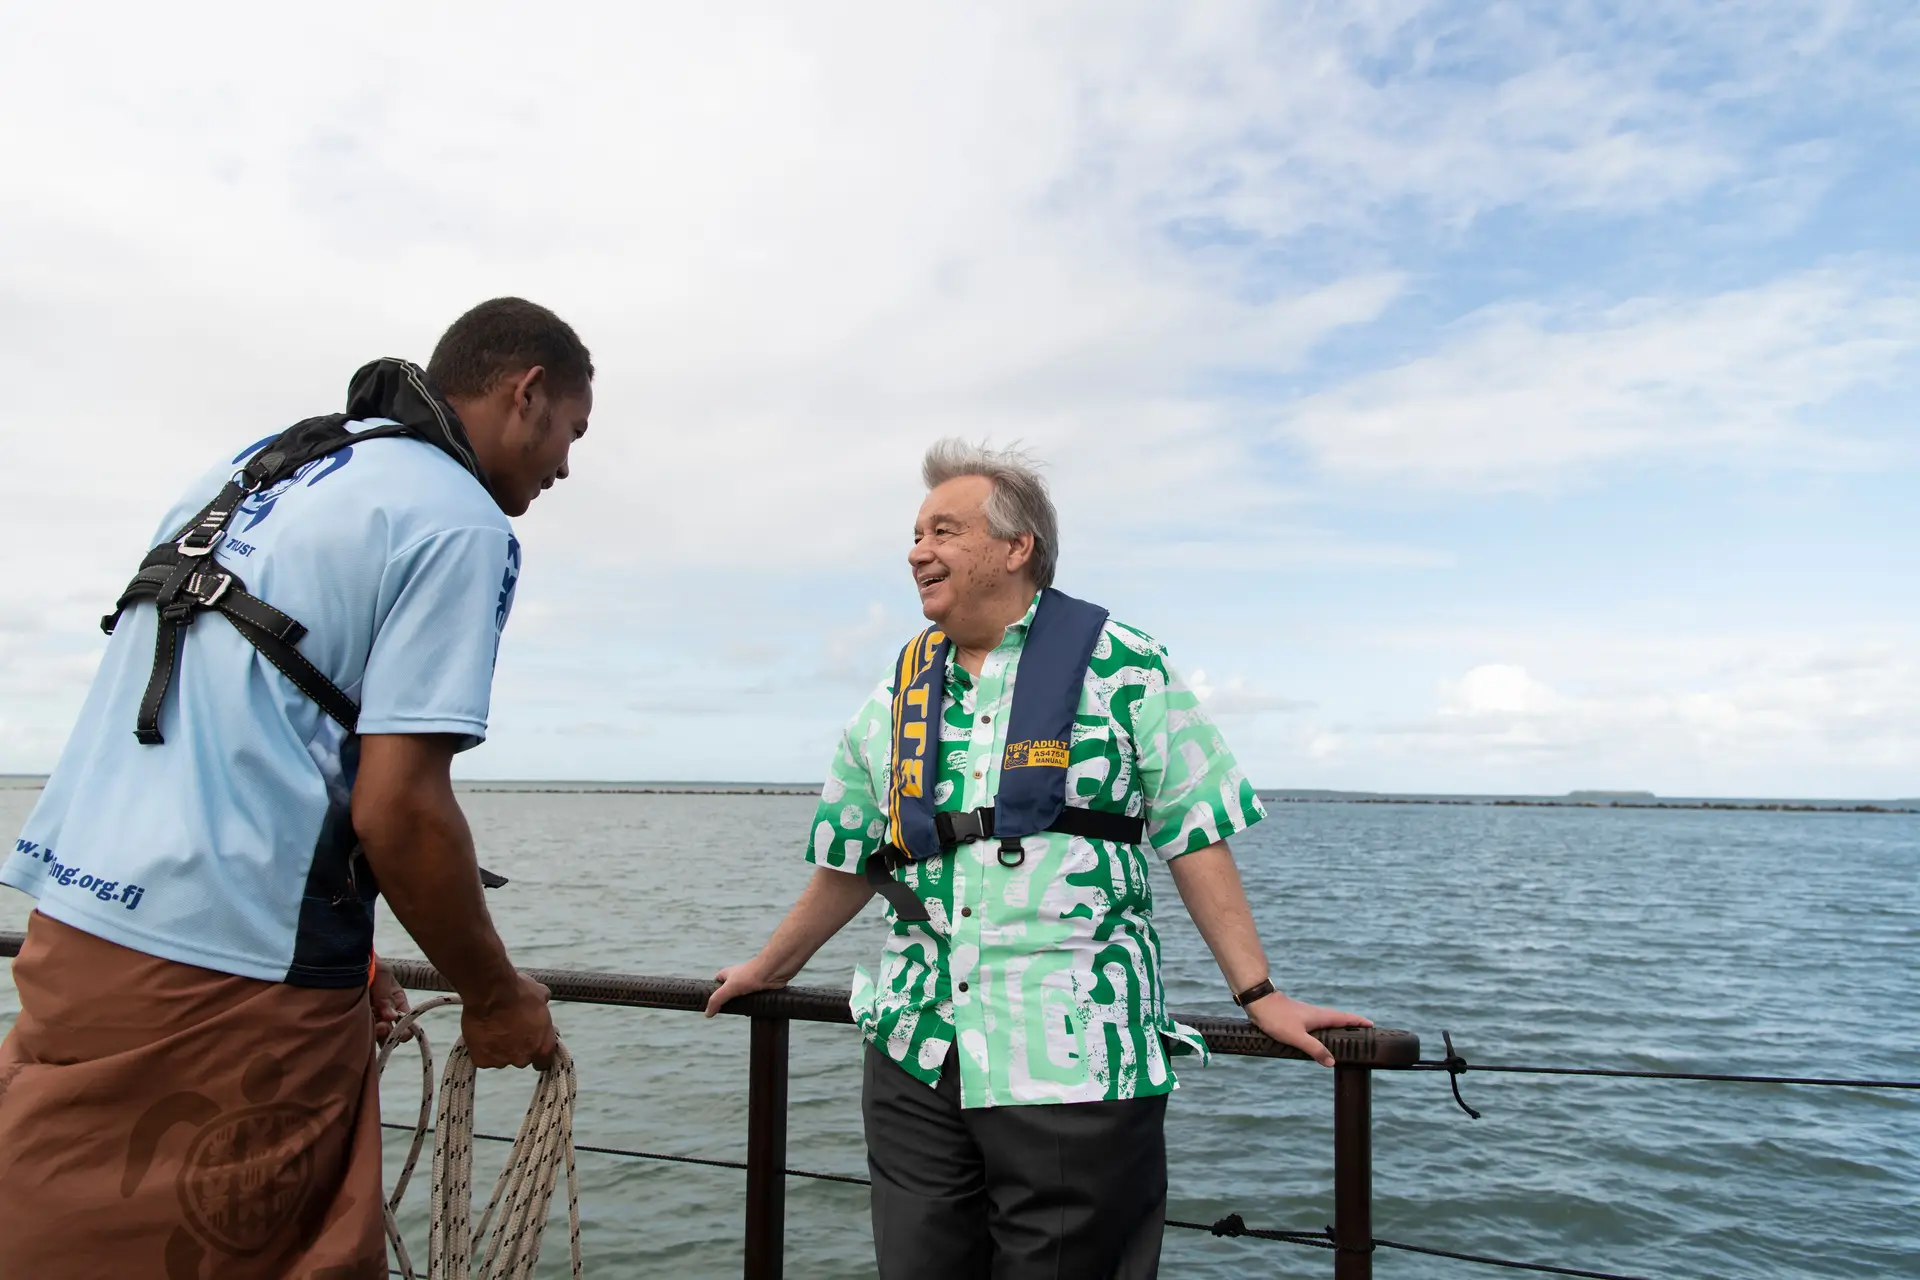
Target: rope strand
[{"x": 524, "y": 1189}]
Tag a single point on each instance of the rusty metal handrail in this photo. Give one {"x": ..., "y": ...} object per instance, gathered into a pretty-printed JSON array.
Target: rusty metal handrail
[
  {"x": 1358, "y": 1052},
  {"x": 1372, "y": 1047}
]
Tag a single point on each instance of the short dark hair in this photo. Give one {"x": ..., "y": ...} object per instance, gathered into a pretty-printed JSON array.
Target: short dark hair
[{"x": 505, "y": 336}]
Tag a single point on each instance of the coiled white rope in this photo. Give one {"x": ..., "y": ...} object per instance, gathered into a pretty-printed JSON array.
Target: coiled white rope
[{"x": 525, "y": 1186}]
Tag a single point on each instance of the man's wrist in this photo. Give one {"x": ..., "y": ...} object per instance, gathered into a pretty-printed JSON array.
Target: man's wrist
[
  {"x": 778, "y": 975},
  {"x": 498, "y": 987},
  {"x": 1258, "y": 991}
]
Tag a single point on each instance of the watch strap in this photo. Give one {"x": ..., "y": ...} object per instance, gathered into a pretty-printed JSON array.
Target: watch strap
[{"x": 1264, "y": 987}]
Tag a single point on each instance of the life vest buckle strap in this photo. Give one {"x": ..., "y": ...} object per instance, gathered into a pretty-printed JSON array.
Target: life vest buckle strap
[
  {"x": 1099, "y": 824},
  {"x": 957, "y": 827},
  {"x": 905, "y": 902}
]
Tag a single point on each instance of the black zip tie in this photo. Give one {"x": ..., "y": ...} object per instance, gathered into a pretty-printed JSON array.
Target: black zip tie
[
  {"x": 1233, "y": 1225},
  {"x": 1456, "y": 1067}
]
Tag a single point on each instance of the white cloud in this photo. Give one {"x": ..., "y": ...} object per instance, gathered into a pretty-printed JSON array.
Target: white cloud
[
  {"x": 856, "y": 655},
  {"x": 801, "y": 245},
  {"x": 804, "y": 241},
  {"x": 1236, "y": 697},
  {"x": 1800, "y": 715},
  {"x": 1517, "y": 397},
  {"x": 1496, "y": 689}
]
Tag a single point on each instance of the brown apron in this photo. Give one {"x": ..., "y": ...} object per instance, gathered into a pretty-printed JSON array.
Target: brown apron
[{"x": 162, "y": 1120}]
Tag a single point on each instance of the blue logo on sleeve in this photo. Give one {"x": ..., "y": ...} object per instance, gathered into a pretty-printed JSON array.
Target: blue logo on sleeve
[{"x": 508, "y": 581}]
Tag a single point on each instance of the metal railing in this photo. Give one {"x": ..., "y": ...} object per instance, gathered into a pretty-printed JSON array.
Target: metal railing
[{"x": 1358, "y": 1052}]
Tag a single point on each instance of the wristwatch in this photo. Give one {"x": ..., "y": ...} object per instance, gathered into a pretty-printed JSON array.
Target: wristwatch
[{"x": 1264, "y": 987}]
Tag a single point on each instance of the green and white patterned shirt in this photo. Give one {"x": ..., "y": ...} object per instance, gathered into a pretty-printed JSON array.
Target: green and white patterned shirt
[{"x": 1047, "y": 974}]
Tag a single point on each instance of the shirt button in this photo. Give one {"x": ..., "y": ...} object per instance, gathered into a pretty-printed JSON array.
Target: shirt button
[
  {"x": 966, "y": 911},
  {"x": 987, "y": 718},
  {"x": 976, "y": 773},
  {"x": 963, "y": 988}
]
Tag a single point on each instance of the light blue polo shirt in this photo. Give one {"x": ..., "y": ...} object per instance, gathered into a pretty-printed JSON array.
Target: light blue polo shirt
[{"x": 230, "y": 845}]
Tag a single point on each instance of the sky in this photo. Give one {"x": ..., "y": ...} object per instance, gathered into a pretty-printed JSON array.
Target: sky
[{"x": 1501, "y": 398}]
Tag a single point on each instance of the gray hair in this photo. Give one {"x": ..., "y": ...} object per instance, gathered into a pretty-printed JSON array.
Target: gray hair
[{"x": 1018, "y": 502}]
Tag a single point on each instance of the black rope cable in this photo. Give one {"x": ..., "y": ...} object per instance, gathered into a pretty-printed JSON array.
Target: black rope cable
[
  {"x": 1831, "y": 1082},
  {"x": 1456, "y": 1066},
  {"x": 1231, "y": 1226},
  {"x": 1540, "y": 1267},
  {"x": 661, "y": 1155}
]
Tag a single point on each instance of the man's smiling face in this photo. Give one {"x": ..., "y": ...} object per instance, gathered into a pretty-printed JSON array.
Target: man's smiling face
[{"x": 956, "y": 560}]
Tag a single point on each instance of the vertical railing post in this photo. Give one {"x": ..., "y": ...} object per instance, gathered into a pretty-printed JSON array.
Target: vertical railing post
[
  {"x": 766, "y": 1148},
  {"x": 1352, "y": 1173}
]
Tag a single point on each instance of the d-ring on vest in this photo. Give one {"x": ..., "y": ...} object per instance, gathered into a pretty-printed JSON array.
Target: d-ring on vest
[{"x": 1032, "y": 795}]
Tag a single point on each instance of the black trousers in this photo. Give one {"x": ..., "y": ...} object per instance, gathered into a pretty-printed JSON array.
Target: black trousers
[{"x": 1067, "y": 1191}]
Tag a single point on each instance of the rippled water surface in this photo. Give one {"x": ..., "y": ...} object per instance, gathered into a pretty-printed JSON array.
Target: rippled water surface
[{"x": 1749, "y": 942}]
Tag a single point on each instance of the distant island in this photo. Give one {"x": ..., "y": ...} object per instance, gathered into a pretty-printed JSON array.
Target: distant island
[{"x": 1586, "y": 799}]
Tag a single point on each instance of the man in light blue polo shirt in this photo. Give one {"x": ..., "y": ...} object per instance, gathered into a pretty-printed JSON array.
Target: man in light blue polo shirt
[{"x": 205, "y": 886}]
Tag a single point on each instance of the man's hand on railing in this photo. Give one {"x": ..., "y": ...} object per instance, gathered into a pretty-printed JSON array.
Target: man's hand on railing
[
  {"x": 510, "y": 1027},
  {"x": 742, "y": 980},
  {"x": 830, "y": 899},
  {"x": 1292, "y": 1023}
]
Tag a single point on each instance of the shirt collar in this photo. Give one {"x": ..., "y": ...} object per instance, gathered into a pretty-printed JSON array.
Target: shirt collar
[
  {"x": 1014, "y": 640},
  {"x": 1026, "y": 619}
]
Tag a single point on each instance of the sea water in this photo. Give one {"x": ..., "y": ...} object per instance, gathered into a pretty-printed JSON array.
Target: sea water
[{"x": 1762, "y": 943}]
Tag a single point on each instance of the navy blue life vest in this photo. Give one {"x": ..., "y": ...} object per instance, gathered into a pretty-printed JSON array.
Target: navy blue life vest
[{"x": 1032, "y": 794}]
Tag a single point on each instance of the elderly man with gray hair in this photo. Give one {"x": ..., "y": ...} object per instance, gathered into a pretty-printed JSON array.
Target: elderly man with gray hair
[{"x": 1002, "y": 789}]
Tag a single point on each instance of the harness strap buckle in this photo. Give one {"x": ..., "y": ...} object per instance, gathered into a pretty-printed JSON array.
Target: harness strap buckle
[
  {"x": 211, "y": 598},
  {"x": 194, "y": 594},
  {"x": 205, "y": 536}
]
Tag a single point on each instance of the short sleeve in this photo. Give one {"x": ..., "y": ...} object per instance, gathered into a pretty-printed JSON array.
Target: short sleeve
[
  {"x": 1195, "y": 793},
  {"x": 850, "y": 823},
  {"x": 443, "y": 603}
]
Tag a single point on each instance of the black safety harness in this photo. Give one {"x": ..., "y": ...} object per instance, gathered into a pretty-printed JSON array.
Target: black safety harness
[{"x": 183, "y": 578}]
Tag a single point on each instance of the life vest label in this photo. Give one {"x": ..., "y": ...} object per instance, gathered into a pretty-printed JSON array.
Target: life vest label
[{"x": 1036, "y": 755}]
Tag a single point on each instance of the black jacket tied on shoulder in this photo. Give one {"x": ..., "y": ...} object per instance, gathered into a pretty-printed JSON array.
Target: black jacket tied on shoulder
[{"x": 183, "y": 578}]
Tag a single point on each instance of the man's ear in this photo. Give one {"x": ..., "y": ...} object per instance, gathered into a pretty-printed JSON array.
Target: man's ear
[
  {"x": 1019, "y": 552},
  {"x": 529, "y": 389}
]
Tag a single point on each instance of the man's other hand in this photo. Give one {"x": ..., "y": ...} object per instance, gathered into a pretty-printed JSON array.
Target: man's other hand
[
  {"x": 1292, "y": 1023},
  {"x": 741, "y": 980},
  {"x": 516, "y": 1030},
  {"x": 389, "y": 1000}
]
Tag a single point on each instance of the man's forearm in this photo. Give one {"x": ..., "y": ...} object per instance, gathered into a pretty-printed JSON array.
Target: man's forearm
[
  {"x": 417, "y": 842},
  {"x": 1209, "y": 883},
  {"x": 829, "y": 901}
]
